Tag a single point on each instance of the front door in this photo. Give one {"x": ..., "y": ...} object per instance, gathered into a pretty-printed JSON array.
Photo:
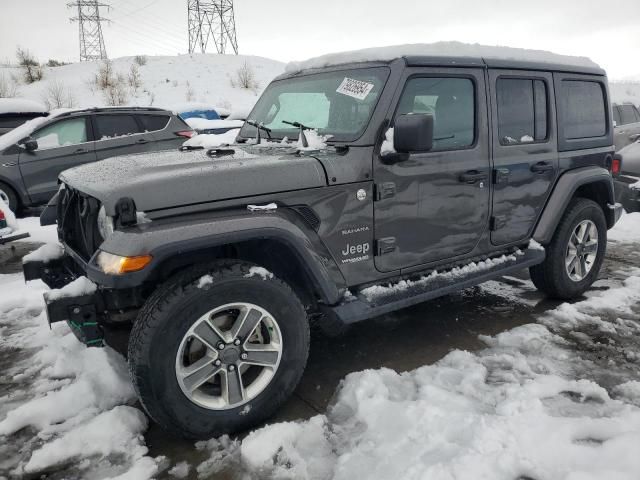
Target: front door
[
  {"x": 435, "y": 205},
  {"x": 524, "y": 151},
  {"x": 61, "y": 145}
]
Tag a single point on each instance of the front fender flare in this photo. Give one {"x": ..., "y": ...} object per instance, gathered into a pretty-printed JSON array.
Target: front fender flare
[{"x": 166, "y": 238}]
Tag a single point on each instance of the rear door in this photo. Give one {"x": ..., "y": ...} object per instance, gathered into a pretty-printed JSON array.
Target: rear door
[
  {"x": 425, "y": 211},
  {"x": 525, "y": 151},
  {"x": 120, "y": 134},
  {"x": 63, "y": 144},
  {"x": 164, "y": 130}
]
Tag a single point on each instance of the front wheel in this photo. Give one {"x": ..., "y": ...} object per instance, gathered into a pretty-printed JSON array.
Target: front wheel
[
  {"x": 219, "y": 351},
  {"x": 575, "y": 253}
]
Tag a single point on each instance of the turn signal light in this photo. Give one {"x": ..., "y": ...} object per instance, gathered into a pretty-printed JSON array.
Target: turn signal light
[{"x": 118, "y": 265}]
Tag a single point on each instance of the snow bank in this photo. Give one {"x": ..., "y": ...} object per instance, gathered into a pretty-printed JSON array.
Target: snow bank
[
  {"x": 627, "y": 230},
  {"x": 21, "y": 105},
  {"x": 510, "y": 411},
  {"x": 439, "y": 49}
]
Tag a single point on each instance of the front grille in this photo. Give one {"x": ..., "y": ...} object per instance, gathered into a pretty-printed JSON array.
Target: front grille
[{"x": 77, "y": 222}]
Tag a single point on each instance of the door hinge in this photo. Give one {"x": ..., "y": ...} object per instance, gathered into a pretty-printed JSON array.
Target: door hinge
[
  {"x": 500, "y": 176},
  {"x": 498, "y": 222},
  {"x": 385, "y": 190},
  {"x": 385, "y": 245}
]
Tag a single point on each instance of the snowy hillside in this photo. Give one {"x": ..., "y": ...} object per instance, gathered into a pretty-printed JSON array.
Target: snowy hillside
[{"x": 163, "y": 81}]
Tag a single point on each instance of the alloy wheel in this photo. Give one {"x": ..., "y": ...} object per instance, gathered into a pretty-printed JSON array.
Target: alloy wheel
[{"x": 582, "y": 250}]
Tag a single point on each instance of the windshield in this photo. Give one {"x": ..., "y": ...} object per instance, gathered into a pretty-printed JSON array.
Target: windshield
[{"x": 338, "y": 103}]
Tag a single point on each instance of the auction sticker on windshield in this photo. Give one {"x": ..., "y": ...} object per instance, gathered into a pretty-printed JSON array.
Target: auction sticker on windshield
[{"x": 355, "y": 88}]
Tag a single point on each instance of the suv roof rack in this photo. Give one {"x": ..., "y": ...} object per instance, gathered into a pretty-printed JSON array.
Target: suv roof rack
[{"x": 114, "y": 109}]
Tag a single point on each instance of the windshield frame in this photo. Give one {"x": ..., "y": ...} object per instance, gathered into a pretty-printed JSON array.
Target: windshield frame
[{"x": 248, "y": 132}]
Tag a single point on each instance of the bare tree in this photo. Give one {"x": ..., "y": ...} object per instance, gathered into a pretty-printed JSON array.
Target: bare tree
[
  {"x": 134, "y": 79},
  {"x": 8, "y": 87},
  {"x": 245, "y": 77},
  {"x": 105, "y": 78},
  {"x": 116, "y": 95},
  {"x": 58, "y": 95},
  {"x": 141, "y": 60},
  {"x": 31, "y": 69}
]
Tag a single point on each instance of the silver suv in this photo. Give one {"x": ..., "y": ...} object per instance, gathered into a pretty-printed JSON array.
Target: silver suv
[{"x": 627, "y": 125}]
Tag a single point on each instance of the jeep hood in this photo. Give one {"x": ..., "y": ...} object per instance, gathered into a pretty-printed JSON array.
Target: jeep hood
[{"x": 174, "y": 178}]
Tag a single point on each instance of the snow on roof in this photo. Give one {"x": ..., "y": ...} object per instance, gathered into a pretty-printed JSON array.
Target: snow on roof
[
  {"x": 440, "y": 49},
  {"x": 20, "y": 105}
]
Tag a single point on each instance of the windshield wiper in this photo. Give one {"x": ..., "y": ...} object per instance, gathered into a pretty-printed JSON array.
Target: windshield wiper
[
  {"x": 302, "y": 128},
  {"x": 258, "y": 127}
]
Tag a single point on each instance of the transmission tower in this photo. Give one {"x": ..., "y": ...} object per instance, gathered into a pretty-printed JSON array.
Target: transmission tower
[
  {"x": 90, "y": 29},
  {"x": 212, "y": 21}
]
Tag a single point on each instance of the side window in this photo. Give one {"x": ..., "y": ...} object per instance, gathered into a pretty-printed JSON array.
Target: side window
[
  {"x": 616, "y": 115},
  {"x": 61, "y": 134},
  {"x": 112, "y": 126},
  {"x": 451, "y": 101},
  {"x": 584, "y": 109},
  {"x": 522, "y": 110},
  {"x": 627, "y": 114},
  {"x": 153, "y": 123},
  {"x": 637, "y": 114}
]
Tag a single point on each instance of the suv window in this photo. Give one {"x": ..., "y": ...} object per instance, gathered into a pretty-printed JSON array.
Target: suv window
[
  {"x": 60, "y": 134},
  {"x": 111, "y": 126},
  {"x": 522, "y": 110},
  {"x": 584, "y": 106},
  {"x": 153, "y": 123},
  {"x": 451, "y": 101},
  {"x": 628, "y": 114}
]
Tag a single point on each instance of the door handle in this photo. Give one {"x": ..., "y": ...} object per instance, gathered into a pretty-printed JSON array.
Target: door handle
[
  {"x": 472, "y": 176},
  {"x": 541, "y": 167},
  {"x": 81, "y": 150},
  {"x": 142, "y": 141}
]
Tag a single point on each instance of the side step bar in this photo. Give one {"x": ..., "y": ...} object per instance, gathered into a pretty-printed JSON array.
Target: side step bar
[{"x": 365, "y": 305}]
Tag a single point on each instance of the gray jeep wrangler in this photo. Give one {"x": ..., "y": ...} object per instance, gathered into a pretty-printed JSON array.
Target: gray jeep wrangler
[{"x": 410, "y": 178}]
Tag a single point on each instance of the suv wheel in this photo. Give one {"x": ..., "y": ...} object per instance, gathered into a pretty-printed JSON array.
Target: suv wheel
[
  {"x": 576, "y": 252},
  {"x": 9, "y": 197},
  {"x": 218, "y": 351}
]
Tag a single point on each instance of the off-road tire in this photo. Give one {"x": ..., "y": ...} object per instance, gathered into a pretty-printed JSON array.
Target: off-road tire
[
  {"x": 14, "y": 203},
  {"x": 169, "y": 313},
  {"x": 551, "y": 276}
]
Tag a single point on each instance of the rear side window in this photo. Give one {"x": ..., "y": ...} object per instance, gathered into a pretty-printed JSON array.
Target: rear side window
[
  {"x": 616, "y": 115},
  {"x": 583, "y": 103},
  {"x": 451, "y": 101},
  {"x": 628, "y": 114},
  {"x": 112, "y": 126},
  {"x": 152, "y": 123},
  {"x": 522, "y": 110}
]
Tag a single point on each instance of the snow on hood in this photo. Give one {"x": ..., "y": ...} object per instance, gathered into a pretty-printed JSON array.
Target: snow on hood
[
  {"x": 439, "y": 49},
  {"x": 21, "y": 105},
  {"x": 173, "y": 178}
]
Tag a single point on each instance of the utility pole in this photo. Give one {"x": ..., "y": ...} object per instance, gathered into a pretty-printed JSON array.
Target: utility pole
[
  {"x": 90, "y": 29},
  {"x": 212, "y": 21}
]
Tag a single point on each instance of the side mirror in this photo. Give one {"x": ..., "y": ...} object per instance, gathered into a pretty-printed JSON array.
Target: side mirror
[
  {"x": 413, "y": 133},
  {"x": 29, "y": 144}
]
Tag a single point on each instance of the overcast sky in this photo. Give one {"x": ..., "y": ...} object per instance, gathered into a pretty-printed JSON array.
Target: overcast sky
[{"x": 606, "y": 31}]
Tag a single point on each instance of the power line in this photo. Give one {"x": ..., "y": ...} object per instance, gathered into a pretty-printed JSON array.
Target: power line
[
  {"x": 211, "y": 20},
  {"x": 90, "y": 29}
]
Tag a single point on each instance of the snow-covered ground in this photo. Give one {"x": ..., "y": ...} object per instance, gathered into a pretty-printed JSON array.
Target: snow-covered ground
[
  {"x": 165, "y": 81},
  {"x": 558, "y": 398}
]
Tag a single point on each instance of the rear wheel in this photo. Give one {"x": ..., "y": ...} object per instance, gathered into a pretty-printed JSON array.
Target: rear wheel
[
  {"x": 218, "y": 353},
  {"x": 8, "y": 196},
  {"x": 575, "y": 253}
]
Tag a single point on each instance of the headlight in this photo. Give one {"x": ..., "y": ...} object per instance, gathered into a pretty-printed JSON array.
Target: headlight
[
  {"x": 105, "y": 223},
  {"x": 117, "y": 265}
]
